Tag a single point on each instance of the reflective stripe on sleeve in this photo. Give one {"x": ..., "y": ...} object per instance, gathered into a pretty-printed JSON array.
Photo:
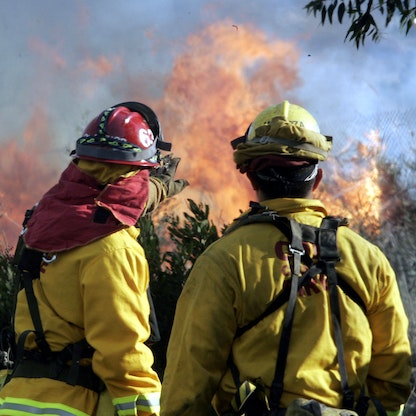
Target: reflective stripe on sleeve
[
  {"x": 21, "y": 407},
  {"x": 396, "y": 412},
  {"x": 149, "y": 402}
]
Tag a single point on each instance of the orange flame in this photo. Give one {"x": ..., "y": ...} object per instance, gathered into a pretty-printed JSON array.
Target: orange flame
[
  {"x": 25, "y": 175},
  {"x": 224, "y": 77},
  {"x": 99, "y": 67},
  {"x": 351, "y": 183}
]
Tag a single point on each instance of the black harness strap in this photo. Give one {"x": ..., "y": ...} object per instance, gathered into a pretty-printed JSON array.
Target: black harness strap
[
  {"x": 328, "y": 256},
  {"x": 44, "y": 362},
  {"x": 296, "y": 248},
  {"x": 63, "y": 365},
  {"x": 296, "y": 234},
  {"x": 34, "y": 313},
  {"x": 28, "y": 268}
]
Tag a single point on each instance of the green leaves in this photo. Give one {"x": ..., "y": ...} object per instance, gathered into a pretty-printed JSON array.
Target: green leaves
[
  {"x": 362, "y": 16},
  {"x": 361, "y": 28}
]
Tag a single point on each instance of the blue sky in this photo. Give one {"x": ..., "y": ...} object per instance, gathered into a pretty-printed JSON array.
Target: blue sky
[{"x": 63, "y": 61}]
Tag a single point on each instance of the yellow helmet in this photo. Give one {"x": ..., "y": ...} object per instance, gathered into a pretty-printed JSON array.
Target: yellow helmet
[
  {"x": 286, "y": 130},
  {"x": 290, "y": 112}
]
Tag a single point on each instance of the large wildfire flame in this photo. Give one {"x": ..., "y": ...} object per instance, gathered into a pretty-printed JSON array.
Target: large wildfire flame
[
  {"x": 351, "y": 183},
  {"x": 224, "y": 77}
]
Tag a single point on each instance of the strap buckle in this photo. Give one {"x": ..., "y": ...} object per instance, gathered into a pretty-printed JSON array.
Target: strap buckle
[{"x": 294, "y": 250}]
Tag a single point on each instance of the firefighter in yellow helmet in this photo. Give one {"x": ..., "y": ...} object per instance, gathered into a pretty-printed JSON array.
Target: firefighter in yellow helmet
[
  {"x": 82, "y": 319},
  {"x": 225, "y": 347}
]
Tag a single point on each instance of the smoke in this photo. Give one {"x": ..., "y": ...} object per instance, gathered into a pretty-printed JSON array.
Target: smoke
[
  {"x": 223, "y": 77},
  {"x": 206, "y": 67},
  {"x": 24, "y": 175}
]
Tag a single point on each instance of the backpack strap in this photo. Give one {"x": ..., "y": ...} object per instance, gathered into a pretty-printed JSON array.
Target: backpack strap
[
  {"x": 276, "y": 389},
  {"x": 296, "y": 234},
  {"x": 27, "y": 264},
  {"x": 45, "y": 363},
  {"x": 34, "y": 313},
  {"x": 260, "y": 214},
  {"x": 328, "y": 256},
  {"x": 29, "y": 269}
]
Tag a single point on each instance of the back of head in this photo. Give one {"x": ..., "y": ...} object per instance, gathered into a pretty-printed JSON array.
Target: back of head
[{"x": 281, "y": 149}]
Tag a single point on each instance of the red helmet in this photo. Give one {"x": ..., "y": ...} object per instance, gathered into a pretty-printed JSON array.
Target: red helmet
[{"x": 128, "y": 133}]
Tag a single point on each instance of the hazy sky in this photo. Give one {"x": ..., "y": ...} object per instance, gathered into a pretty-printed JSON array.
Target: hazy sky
[
  {"x": 74, "y": 56},
  {"x": 46, "y": 44},
  {"x": 206, "y": 66}
]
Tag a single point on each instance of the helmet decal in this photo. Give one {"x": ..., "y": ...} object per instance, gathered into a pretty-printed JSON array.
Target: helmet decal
[{"x": 146, "y": 137}]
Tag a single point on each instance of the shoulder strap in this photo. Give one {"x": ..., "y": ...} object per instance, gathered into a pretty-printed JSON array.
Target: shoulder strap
[
  {"x": 276, "y": 389},
  {"x": 28, "y": 263},
  {"x": 260, "y": 214},
  {"x": 295, "y": 232},
  {"x": 327, "y": 251},
  {"x": 314, "y": 269},
  {"x": 40, "y": 339},
  {"x": 328, "y": 256}
]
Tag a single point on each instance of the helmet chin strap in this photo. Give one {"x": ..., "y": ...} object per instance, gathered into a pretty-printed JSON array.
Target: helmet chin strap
[
  {"x": 313, "y": 174},
  {"x": 298, "y": 175}
]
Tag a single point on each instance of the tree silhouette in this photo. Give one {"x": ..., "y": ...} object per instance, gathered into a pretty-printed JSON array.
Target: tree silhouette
[{"x": 364, "y": 15}]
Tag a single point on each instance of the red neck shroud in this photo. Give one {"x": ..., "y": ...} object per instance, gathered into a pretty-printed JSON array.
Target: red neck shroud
[{"x": 64, "y": 217}]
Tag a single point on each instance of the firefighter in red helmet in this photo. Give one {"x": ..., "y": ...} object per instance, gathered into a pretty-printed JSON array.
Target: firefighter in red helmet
[
  {"x": 291, "y": 312},
  {"x": 82, "y": 318}
]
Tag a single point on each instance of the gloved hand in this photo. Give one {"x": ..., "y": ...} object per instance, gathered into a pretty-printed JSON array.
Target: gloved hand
[{"x": 165, "y": 173}]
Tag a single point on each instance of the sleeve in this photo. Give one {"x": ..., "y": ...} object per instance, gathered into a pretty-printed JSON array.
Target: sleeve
[
  {"x": 390, "y": 367},
  {"x": 162, "y": 182},
  {"x": 116, "y": 313},
  {"x": 201, "y": 339},
  {"x": 395, "y": 412},
  {"x": 157, "y": 194}
]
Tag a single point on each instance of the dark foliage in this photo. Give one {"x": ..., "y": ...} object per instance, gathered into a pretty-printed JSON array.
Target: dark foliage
[
  {"x": 362, "y": 13},
  {"x": 187, "y": 239}
]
